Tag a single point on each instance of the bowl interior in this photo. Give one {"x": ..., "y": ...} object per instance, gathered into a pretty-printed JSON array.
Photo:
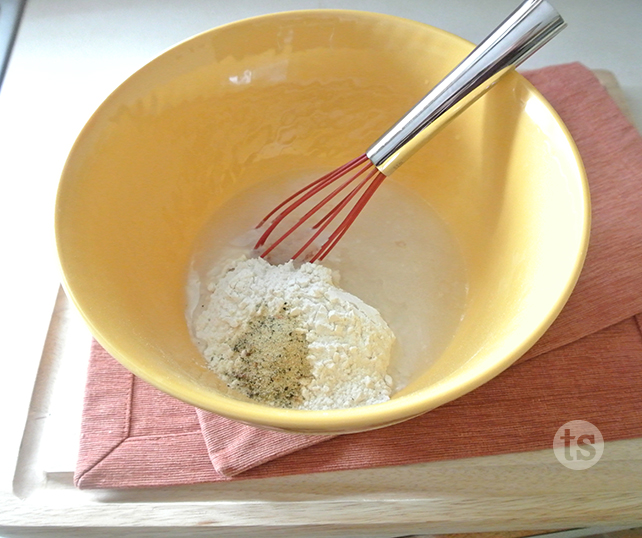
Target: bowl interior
[{"x": 300, "y": 91}]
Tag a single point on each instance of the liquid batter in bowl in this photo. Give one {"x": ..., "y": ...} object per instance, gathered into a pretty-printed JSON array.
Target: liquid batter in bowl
[{"x": 399, "y": 257}]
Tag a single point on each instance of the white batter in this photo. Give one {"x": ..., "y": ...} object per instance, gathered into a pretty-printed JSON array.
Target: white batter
[{"x": 399, "y": 257}]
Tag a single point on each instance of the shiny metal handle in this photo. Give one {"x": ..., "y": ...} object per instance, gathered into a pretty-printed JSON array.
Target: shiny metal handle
[{"x": 533, "y": 24}]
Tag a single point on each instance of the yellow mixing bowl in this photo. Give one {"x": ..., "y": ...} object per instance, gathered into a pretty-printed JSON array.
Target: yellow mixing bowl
[{"x": 300, "y": 91}]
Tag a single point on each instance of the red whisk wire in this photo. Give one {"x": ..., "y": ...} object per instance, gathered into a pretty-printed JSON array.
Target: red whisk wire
[
  {"x": 330, "y": 216},
  {"x": 294, "y": 201},
  {"x": 309, "y": 214},
  {"x": 317, "y": 185},
  {"x": 350, "y": 218}
]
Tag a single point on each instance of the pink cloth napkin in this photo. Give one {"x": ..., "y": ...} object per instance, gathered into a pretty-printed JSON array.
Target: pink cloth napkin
[{"x": 588, "y": 365}]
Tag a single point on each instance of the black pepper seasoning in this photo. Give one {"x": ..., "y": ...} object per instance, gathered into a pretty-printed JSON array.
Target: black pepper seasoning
[{"x": 271, "y": 361}]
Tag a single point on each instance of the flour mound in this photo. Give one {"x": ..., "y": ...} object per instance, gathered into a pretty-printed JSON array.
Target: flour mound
[{"x": 289, "y": 337}]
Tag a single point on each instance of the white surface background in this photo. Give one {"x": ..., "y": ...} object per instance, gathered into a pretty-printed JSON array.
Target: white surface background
[{"x": 70, "y": 54}]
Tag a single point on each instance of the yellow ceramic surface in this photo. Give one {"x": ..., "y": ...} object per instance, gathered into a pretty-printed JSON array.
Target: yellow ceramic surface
[{"x": 300, "y": 91}]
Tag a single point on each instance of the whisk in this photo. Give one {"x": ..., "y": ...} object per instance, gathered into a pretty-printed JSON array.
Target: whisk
[{"x": 346, "y": 190}]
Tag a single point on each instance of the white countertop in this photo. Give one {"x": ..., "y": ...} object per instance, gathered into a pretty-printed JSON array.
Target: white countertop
[{"x": 70, "y": 54}]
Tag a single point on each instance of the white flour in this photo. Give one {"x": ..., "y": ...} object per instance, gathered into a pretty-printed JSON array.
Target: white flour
[{"x": 291, "y": 338}]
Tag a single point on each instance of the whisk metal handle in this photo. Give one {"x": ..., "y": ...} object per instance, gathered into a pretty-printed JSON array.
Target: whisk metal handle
[{"x": 533, "y": 24}]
